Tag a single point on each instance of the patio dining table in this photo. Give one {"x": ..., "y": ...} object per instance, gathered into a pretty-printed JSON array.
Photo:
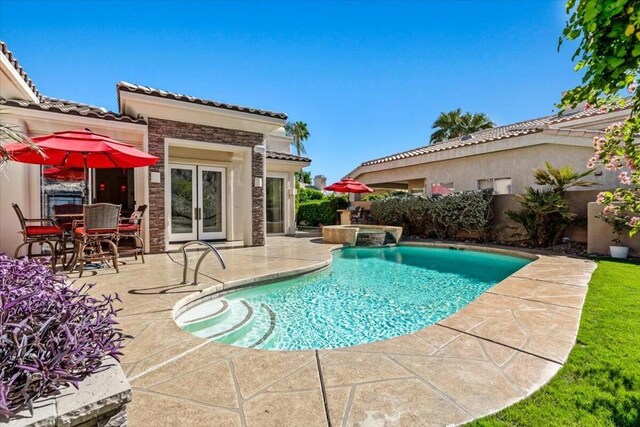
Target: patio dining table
[{"x": 68, "y": 235}]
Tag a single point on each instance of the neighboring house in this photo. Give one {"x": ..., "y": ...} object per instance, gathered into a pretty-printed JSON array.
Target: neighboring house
[
  {"x": 501, "y": 158},
  {"x": 226, "y": 172}
]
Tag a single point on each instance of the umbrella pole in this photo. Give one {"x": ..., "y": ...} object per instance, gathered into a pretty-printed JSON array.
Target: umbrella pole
[{"x": 85, "y": 192}]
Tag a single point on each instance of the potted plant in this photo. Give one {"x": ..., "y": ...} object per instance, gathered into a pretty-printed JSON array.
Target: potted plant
[{"x": 619, "y": 224}]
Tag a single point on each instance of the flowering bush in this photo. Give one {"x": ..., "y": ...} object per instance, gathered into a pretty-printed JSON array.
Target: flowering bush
[
  {"x": 51, "y": 334},
  {"x": 616, "y": 150},
  {"x": 608, "y": 54},
  {"x": 617, "y": 220}
]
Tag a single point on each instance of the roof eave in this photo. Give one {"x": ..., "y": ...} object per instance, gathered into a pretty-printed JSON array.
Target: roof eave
[
  {"x": 124, "y": 87},
  {"x": 25, "y": 85}
]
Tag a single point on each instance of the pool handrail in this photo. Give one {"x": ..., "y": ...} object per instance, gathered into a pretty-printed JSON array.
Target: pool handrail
[{"x": 209, "y": 248}]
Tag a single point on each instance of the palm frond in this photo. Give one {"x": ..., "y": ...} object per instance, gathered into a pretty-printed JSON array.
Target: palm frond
[{"x": 10, "y": 134}]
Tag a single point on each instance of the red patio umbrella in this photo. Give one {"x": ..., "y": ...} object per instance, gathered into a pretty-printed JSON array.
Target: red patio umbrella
[
  {"x": 348, "y": 185},
  {"x": 81, "y": 149}
]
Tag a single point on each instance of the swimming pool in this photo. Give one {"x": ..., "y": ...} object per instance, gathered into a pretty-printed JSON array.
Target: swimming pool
[{"x": 366, "y": 295}]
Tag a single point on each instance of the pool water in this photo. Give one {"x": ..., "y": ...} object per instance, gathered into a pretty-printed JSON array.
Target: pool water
[{"x": 366, "y": 295}]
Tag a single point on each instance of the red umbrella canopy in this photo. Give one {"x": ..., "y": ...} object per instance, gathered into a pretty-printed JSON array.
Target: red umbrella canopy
[
  {"x": 348, "y": 185},
  {"x": 81, "y": 149},
  {"x": 64, "y": 174}
]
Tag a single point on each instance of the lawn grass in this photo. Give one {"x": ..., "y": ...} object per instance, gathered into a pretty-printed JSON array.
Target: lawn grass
[{"x": 600, "y": 383}]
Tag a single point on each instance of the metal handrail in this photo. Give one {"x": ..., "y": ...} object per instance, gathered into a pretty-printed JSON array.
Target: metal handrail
[{"x": 210, "y": 248}]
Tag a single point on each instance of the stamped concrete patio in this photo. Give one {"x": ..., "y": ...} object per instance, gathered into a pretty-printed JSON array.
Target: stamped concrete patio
[{"x": 495, "y": 351}]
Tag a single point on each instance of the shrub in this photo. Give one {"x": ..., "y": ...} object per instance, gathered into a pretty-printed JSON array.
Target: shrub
[
  {"x": 545, "y": 213},
  {"x": 52, "y": 334},
  {"x": 321, "y": 212},
  {"x": 307, "y": 194},
  {"x": 443, "y": 216},
  {"x": 372, "y": 197}
]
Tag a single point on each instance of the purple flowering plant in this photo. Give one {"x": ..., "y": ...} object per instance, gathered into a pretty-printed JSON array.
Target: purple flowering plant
[{"x": 52, "y": 335}]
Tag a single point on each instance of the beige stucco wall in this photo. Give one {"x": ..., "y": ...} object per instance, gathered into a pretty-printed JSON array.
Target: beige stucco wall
[
  {"x": 600, "y": 234},
  {"x": 505, "y": 228},
  {"x": 516, "y": 163}
]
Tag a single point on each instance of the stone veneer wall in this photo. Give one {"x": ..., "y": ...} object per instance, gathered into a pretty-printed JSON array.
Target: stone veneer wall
[{"x": 159, "y": 129}]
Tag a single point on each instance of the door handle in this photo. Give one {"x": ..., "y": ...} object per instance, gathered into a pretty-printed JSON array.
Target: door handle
[{"x": 196, "y": 212}]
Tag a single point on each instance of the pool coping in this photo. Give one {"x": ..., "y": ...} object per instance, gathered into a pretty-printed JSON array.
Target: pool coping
[{"x": 497, "y": 350}]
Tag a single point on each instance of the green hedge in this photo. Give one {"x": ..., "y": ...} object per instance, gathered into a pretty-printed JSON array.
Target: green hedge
[
  {"x": 442, "y": 216},
  {"x": 308, "y": 194},
  {"x": 321, "y": 212}
]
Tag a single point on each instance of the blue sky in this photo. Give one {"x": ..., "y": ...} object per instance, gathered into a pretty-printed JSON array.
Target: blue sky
[{"x": 369, "y": 78}]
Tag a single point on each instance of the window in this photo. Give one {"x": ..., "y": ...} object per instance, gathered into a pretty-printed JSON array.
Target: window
[
  {"x": 418, "y": 191},
  {"x": 499, "y": 185},
  {"x": 442, "y": 188}
]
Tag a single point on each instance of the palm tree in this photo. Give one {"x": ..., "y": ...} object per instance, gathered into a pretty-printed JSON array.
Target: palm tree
[
  {"x": 559, "y": 179},
  {"x": 300, "y": 133},
  {"x": 456, "y": 123}
]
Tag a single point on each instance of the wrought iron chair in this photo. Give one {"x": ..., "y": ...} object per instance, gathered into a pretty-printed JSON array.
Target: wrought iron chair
[
  {"x": 47, "y": 232},
  {"x": 98, "y": 228},
  {"x": 129, "y": 228}
]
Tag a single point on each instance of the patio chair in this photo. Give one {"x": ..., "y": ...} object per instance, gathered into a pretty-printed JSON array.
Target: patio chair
[
  {"x": 66, "y": 209},
  {"x": 129, "y": 228},
  {"x": 356, "y": 216},
  {"x": 98, "y": 228},
  {"x": 47, "y": 232}
]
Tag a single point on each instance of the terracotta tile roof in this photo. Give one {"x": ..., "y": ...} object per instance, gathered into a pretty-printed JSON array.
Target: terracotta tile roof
[
  {"x": 628, "y": 103},
  {"x": 14, "y": 62},
  {"x": 494, "y": 134},
  {"x": 70, "y": 107},
  {"x": 146, "y": 90},
  {"x": 286, "y": 156}
]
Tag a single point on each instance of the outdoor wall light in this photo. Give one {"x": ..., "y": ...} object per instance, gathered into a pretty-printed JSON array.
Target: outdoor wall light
[
  {"x": 257, "y": 182},
  {"x": 260, "y": 149}
]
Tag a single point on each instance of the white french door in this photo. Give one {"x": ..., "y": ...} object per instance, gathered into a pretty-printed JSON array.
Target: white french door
[
  {"x": 197, "y": 203},
  {"x": 211, "y": 203}
]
